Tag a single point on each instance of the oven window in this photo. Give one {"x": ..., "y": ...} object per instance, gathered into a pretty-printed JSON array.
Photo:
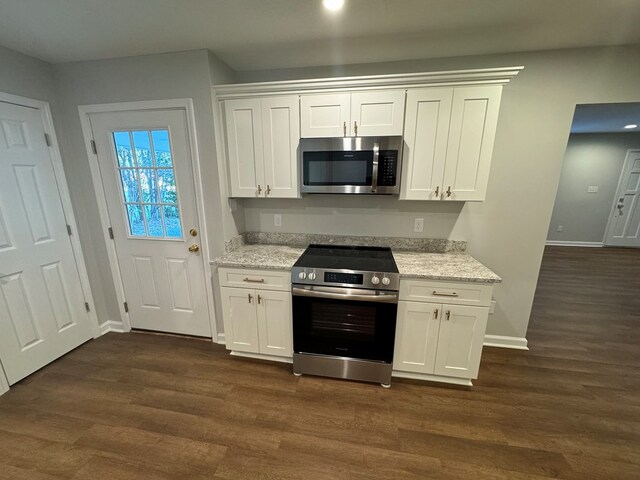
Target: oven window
[
  {"x": 337, "y": 168},
  {"x": 355, "y": 329}
]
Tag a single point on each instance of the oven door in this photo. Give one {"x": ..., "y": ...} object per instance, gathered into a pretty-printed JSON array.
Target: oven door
[{"x": 344, "y": 322}]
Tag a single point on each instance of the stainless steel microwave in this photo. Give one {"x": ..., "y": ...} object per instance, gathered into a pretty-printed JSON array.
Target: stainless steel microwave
[{"x": 352, "y": 165}]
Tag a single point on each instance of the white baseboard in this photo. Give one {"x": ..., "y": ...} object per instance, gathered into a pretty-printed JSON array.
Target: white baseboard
[
  {"x": 221, "y": 339},
  {"x": 433, "y": 378},
  {"x": 258, "y": 356},
  {"x": 111, "y": 326},
  {"x": 501, "y": 341},
  {"x": 569, "y": 243}
]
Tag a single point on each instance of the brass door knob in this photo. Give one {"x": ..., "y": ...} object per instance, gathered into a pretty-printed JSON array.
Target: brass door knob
[
  {"x": 194, "y": 248},
  {"x": 193, "y": 232}
]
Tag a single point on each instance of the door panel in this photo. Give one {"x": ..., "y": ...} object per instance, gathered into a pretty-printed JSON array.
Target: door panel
[
  {"x": 274, "y": 323},
  {"x": 325, "y": 115},
  {"x": 244, "y": 143},
  {"x": 281, "y": 135},
  {"x": 460, "y": 341},
  {"x": 425, "y": 135},
  {"x": 416, "y": 337},
  {"x": 474, "y": 117},
  {"x": 240, "y": 319},
  {"x": 624, "y": 223},
  {"x": 42, "y": 313},
  {"x": 377, "y": 113},
  {"x": 146, "y": 167}
]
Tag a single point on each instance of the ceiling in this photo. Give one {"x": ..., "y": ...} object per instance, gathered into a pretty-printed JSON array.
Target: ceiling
[
  {"x": 265, "y": 34},
  {"x": 606, "y": 118}
]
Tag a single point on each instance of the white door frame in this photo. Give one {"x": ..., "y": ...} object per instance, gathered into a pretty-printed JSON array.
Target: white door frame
[
  {"x": 185, "y": 104},
  {"x": 615, "y": 198},
  {"x": 65, "y": 198}
]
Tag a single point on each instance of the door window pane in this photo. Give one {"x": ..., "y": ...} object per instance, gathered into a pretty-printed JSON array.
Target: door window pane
[{"x": 147, "y": 178}]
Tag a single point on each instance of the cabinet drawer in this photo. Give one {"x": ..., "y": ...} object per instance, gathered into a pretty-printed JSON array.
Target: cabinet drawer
[
  {"x": 255, "y": 279},
  {"x": 453, "y": 293}
]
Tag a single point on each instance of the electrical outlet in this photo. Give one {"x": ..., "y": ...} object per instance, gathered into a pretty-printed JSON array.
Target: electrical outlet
[
  {"x": 277, "y": 219},
  {"x": 418, "y": 225},
  {"x": 560, "y": 228},
  {"x": 592, "y": 189}
]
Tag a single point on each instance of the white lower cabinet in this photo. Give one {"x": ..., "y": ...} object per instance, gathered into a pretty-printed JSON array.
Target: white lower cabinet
[
  {"x": 439, "y": 339},
  {"x": 257, "y": 321}
]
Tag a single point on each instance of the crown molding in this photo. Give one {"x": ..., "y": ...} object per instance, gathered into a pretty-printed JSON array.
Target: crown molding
[{"x": 491, "y": 76}]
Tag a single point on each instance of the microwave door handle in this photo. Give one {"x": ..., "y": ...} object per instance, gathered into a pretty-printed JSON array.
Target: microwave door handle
[
  {"x": 374, "y": 173},
  {"x": 379, "y": 297}
]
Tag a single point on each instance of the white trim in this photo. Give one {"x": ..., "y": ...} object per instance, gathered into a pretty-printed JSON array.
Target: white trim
[
  {"x": 112, "y": 326},
  {"x": 570, "y": 243},
  {"x": 185, "y": 104},
  {"x": 615, "y": 198},
  {"x": 258, "y": 356},
  {"x": 221, "y": 340},
  {"x": 4, "y": 383},
  {"x": 433, "y": 378},
  {"x": 496, "y": 76},
  {"x": 502, "y": 341},
  {"x": 65, "y": 198}
]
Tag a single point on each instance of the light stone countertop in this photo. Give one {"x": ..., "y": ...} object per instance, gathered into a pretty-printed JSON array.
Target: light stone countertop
[{"x": 435, "y": 266}]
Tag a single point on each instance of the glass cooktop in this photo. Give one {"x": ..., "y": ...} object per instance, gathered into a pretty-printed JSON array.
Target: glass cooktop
[{"x": 371, "y": 259}]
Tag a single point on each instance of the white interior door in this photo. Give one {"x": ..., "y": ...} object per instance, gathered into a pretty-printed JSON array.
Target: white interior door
[
  {"x": 42, "y": 306},
  {"x": 146, "y": 168},
  {"x": 624, "y": 223}
]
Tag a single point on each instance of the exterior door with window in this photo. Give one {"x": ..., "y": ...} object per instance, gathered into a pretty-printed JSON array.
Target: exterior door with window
[
  {"x": 624, "y": 222},
  {"x": 146, "y": 168}
]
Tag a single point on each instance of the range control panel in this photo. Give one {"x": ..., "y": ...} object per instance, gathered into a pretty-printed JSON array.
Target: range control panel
[{"x": 342, "y": 278}]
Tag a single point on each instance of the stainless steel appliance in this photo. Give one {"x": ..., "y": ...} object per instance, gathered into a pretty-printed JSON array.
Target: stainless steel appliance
[
  {"x": 353, "y": 165},
  {"x": 345, "y": 302}
]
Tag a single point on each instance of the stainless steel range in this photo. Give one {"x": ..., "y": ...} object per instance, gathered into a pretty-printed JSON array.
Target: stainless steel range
[{"x": 345, "y": 301}]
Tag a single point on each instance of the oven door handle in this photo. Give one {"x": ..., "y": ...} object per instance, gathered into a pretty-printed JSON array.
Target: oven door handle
[{"x": 375, "y": 296}]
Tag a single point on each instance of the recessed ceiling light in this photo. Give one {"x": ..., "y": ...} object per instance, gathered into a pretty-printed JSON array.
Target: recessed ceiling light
[
  {"x": 631, "y": 125},
  {"x": 333, "y": 5}
]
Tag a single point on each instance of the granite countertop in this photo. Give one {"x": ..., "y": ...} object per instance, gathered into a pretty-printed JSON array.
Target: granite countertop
[
  {"x": 269, "y": 257},
  {"x": 435, "y": 266},
  {"x": 443, "y": 266}
]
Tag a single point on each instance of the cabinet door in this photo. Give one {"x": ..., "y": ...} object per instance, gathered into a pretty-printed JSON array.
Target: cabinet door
[
  {"x": 281, "y": 135},
  {"x": 474, "y": 116},
  {"x": 244, "y": 143},
  {"x": 325, "y": 115},
  {"x": 425, "y": 134},
  {"x": 416, "y": 337},
  {"x": 377, "y": 113},
  {"x": 240, "y": 319},
  {"x": 460, "y": 341},
  {"x": 275, "y": 323}
]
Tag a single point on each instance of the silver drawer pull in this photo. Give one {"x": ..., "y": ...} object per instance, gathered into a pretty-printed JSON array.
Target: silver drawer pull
[
  {"x": 440, "y": 294},
  {"x": 251, "y": 280}
]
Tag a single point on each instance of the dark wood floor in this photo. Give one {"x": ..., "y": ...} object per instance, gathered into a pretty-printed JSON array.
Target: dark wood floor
[{"x": 142, "y": 406}]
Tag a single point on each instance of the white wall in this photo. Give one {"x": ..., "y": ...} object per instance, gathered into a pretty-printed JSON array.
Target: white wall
[
  {"x": 148, "y": 77},
  {"x": 591, "y": 159},
  {"x": 507, "y": 232},
  {"x": 26, "y": 76}
]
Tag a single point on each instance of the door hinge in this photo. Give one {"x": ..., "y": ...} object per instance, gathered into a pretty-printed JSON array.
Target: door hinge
[
  {"x": 86, "y": 306},
  {"x": 93, "y": 147},
  {"x": 47, "y": 139},
  {"x": 126, "y": 307},
  {"x": 110, "y": 233},
  {"x": 69, "y": 229}
]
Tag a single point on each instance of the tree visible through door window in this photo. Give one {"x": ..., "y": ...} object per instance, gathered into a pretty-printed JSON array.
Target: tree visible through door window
[{"x": 148, "y": 183}]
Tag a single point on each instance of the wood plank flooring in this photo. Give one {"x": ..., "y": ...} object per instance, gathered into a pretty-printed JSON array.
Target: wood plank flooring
[{"x": 139, "y": 406}]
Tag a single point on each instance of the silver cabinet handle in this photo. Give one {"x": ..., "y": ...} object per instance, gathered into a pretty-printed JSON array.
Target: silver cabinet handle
[
  {"x": 355, "y": 129},
  {"x": 251, "y": 280},
  {"x": 448, "y": 315},
  {"x": 259, "y": 189},
  {"x": 449, "y": 191},
  {"x": 344, "y": 128},
  {"x": 442, "y": 294},
  {"x": 250, "y": 297},
  {"x": 435, "y": 314}
]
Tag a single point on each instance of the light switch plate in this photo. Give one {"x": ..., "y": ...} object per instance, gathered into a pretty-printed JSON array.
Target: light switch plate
[
  {"x": 418, "y": 225},
  {"x": 277, "y": 219},
  {"x": 592, "y": 189}
]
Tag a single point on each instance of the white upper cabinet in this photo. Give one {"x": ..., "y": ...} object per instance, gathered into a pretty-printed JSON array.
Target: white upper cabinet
[
  {"x": 244, "y": 142},
  {"x": 363, "y": 114},
  {"x": 325, "y": 115},
  {"x": 280, "y": 137},
  {"x": 425, "y": 136},
  {"x": 377, "y": 113},
  {"x": 262, "y": 140},
  {"x": 449, "y": 134}
]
